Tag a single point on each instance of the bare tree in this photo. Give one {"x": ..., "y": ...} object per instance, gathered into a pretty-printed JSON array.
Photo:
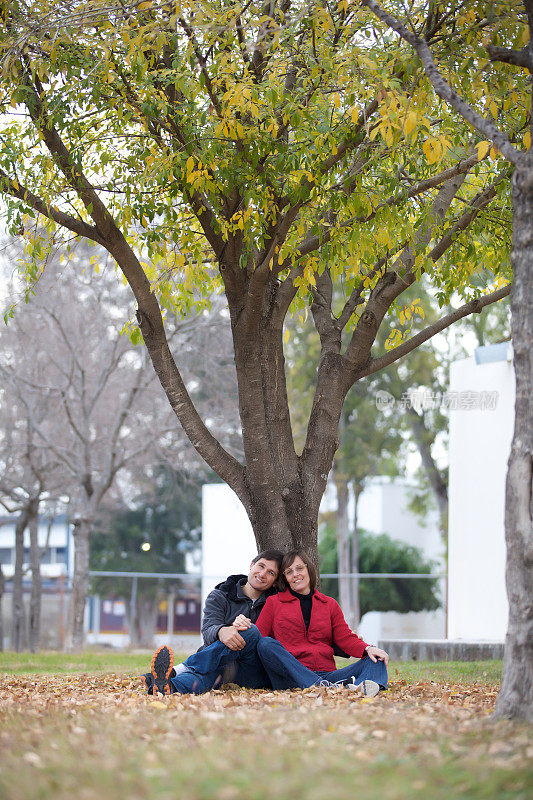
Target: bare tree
[{"x": 102, "y": 412}]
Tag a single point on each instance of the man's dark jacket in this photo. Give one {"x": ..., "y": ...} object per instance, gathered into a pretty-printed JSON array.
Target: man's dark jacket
[{"x": 227, "y": 601}]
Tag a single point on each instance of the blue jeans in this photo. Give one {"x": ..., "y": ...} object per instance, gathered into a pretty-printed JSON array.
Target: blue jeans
[
  {"x": 217, "y": 664},
  {"x": 286, "y": 672}
]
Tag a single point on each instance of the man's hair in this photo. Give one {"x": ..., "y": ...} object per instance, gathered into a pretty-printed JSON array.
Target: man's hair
[
  {"x": 288, "y": 558},
  {"x": 269, "y": 555}
]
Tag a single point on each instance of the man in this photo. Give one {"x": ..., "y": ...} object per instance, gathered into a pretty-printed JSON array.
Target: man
[{"x": 227, "y": 653}]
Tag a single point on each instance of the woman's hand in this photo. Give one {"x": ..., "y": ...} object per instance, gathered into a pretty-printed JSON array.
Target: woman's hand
[
  {"x": 241, "y": 623},
  {"x": 377, "y": 654}
]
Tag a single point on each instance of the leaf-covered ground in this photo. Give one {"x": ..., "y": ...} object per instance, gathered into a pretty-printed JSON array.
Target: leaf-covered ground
[{"x": 99, "y": 736}]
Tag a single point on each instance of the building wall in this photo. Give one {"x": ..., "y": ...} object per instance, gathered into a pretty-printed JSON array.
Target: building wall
[
  {"x": 480, "y": 441},
  {"x": 228, "y": 542},
  {"x": 59, "y": 560},
  {"x": 384, "y": 508}
]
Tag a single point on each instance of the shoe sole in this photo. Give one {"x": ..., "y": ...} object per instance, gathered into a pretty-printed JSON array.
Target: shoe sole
[
  {"x": 367, "y": 688},
  {"x": 149, "y": 688},
  {"x": 162, "y": 663}
]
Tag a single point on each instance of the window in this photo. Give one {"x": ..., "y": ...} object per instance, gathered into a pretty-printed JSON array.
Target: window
[{"x": 6, "y": 555}]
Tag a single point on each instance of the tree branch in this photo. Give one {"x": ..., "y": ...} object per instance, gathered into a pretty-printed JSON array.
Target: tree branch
[
  {"x": 519, "y": 58},
  {"x": 473, "y": 307},
  {"x": 77, "y": 226}
]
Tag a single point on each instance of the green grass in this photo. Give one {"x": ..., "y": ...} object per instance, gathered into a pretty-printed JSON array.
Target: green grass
[
  {"x": 98, "y": 661},
  {"x": 94, "y": 661}
]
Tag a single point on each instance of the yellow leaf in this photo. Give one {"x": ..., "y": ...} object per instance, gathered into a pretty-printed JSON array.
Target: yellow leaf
[
  {"x": 494, "y": 109},
  {"x": 482, "y": 149},
  {"x": 287, "y": 335},
  {"x": 432, "y": 150},
  {"x": 527, "y": 140},
  {"x": 410, "y": 122},
  {"x": 493, "y": 152},
  {"x": 190, "y": 164},
  {"x": 354, "y": 116}
]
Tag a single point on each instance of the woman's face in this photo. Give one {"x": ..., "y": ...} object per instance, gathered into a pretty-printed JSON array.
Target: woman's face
[{"x": 297, "y": 576}]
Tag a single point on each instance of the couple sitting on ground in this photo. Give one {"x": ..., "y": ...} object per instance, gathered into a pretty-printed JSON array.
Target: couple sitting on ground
[{"x": 296, "y": 633}]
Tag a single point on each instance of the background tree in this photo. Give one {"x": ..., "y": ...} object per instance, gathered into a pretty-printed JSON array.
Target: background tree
[
  {"x": 30, "y": 479},
  {"x": 508, "y": 45},
  {"x": 270, "y": 153},
  {"x": 167, "y": 517},
  {"x": 381, "y": 553},
  {"x": 83, "y": 395}
]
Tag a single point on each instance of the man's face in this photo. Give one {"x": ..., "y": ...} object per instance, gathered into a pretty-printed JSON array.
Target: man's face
[{"x": 262, "y": 574}]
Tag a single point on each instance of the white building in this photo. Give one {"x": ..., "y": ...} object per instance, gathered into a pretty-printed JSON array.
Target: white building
[
  {"x": 384, "y": 508},
  {"x": 54, "y": 537},
  {"x": 228, "y": 542},
  {"x": 482, "y": 394},
  {"x": 228, "y": 546}
]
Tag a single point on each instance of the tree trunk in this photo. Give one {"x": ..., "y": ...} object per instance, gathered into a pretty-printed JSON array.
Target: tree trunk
[
  {"x": 516, "y": 695},
  {"x": 424, "y": 440},
  {"x": 34, "y": 627},
  {"x": 2, "y": 586},
  {"x": 74, "y": 637},
  {"x": 343, "y": 545},
  {"x": 146, "y": 619},
  {"x": 356, "y": 613},
  {"x": 18, "y": 627}
]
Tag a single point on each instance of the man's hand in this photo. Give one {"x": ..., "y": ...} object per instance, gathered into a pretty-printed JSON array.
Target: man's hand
[
  {"x": 241, "y": 623},
  {"x": 377, "y": 654},
  {"x": 230, "y": 636}
]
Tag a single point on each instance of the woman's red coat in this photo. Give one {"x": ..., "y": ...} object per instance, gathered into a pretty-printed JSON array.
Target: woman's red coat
[{"x": 282, "y": 619}]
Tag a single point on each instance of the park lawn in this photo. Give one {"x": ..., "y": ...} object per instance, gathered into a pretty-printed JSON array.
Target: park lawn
[
  {"x": 106, "y": 660},
  {"x": 95, "y": 735}
]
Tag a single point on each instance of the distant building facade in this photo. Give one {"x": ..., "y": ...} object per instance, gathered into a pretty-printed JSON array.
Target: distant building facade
[{"x": 481, "y": 428}]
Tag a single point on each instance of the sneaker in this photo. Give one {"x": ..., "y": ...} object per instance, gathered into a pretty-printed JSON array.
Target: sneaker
[
  {"x": 325, "y": 683},
  {"x": 162, "y": 663},
  {"x": 366, "y": 688},
  {"x": 148, "y": 682}
]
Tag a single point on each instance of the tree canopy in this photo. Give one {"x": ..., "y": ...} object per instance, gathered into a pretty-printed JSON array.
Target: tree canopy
[{"x": 273, "y": 151}]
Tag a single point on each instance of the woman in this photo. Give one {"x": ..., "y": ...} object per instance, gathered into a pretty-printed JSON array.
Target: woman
[{"x": 301, "y": 627}]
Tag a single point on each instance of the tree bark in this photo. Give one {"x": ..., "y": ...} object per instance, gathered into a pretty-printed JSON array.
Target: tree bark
[
  {"x": 516, "y": 695},
  {"x": 34, "y": 626},
  {"x": 146, "y": 619},
  {"x": 18, "y": 627},
  {"x": 424, "y": 440},
  {"x": 356, "y": 607},
  {"x": 2, "y": 586},
  {"x": 74, "y": 637},
  {"x": 343, "y": 546}
]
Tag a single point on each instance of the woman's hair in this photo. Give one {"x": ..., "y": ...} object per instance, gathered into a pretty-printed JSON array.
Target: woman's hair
[{"x": 288, "y": 558}]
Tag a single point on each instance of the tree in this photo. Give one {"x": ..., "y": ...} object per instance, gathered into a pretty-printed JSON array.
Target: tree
[
  {"x": 382, "y": 554},
  {"x": 29, "y": 481},
  {"x": 85, "y": 403},
  {"x": 507, "y": 32},
  {"x": 270, "y": 152},
  {"x": 167, "y": 517}
]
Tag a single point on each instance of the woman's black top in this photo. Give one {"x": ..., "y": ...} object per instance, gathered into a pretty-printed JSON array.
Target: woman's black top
[{"x": 306, "y": 602}]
